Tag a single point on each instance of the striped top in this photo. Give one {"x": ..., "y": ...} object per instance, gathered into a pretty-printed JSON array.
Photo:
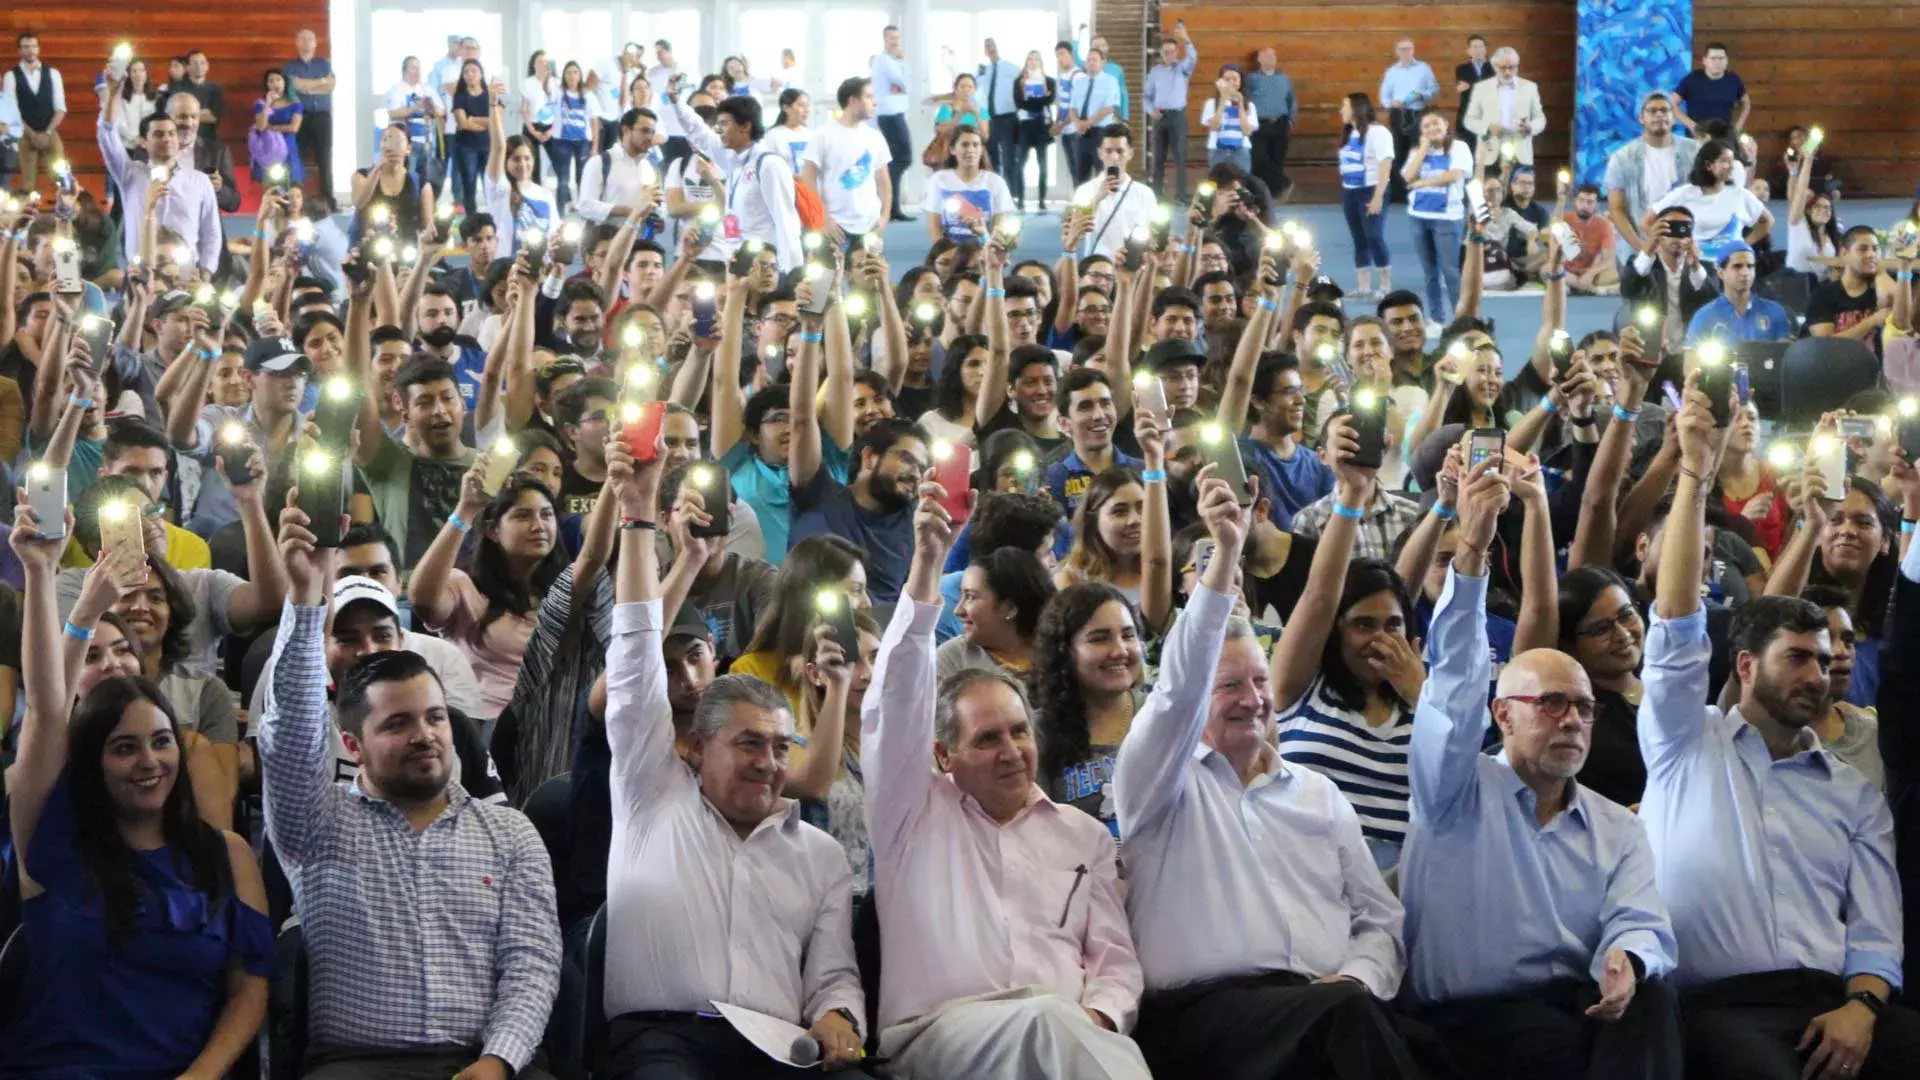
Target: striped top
[{"x": 1367, "y": 764}]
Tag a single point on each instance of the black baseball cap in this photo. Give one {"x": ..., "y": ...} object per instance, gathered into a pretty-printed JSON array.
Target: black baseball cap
[
  {"x": 1173, "y": 353},
  {"x": 277, "y": 355}
]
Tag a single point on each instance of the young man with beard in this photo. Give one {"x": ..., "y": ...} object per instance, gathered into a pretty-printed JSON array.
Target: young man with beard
[
  {"x": 1574, "y": 984},
  {"x": 437, "y": 334},
  {"x": 580, "y": 416},
  {"x": 1776, "y": 860},
  {"x": 1089, "y": 415},
  {"x": 404, "y": 814},
  {"x": 874, "y": 509},
  {"x": 1850, "y": 306},
  {"x": 1595, "y": 271}
]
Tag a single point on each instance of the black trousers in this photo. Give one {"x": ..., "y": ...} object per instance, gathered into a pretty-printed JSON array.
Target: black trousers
[
  {"x": 650, "y": 1046},
  {"x": 315, "y": 140},
  {"x": 1272, "y": 1026},
  {"x": 1405, "y": 126},
  {"x": 1168, "y": 143},
  {"x": 900, "y": 144},
  {"x": 429, "y": 1063},
  {"x": 1746, "y": 1027},
  {"x": 1270, "y": 154},
  {"x": 1545, "y": 1034},
  {"x": 1003, "y": 136}
]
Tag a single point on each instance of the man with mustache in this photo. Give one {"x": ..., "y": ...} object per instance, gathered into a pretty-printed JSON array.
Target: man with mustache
[
  {"x": 1008, "y": 953},
  {"x": 1776, "y": 858},
  {"x": 874, "y": 508},
  {"x": 1282, "y": 965},
  {"x": 437, "y": 334},
  {"x": 1570, "y": 984}
]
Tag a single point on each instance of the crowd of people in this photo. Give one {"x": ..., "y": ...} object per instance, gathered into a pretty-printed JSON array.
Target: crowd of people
[{"x": 517, "y": 667}]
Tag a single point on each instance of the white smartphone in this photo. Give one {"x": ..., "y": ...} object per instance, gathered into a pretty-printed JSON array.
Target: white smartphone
[
  {"x": 1829, "y": 457},
  {"x": 1149, "y": 396},
  {"x": 1477, "y": 202},
  {"x": 1202, "y": 554},
  {"x": 66, "y": 268},
  {"x": 1569, "y": 244},
  {"x": 47, "y": 498},
  {"x": 502, "y": 458}
]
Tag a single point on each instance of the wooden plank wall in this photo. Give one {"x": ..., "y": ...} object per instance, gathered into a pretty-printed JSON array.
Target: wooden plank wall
[
  {"x": 242, "y": 39},
  {"x": 1848, "y": 67},
  {"x": 1333, "y": 49}
]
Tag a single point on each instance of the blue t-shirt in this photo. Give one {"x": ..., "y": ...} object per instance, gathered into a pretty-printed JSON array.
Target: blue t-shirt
[
  {"x": 826, "y": 506},
  {"x": 576, "y": 122},
  {"x": 1711, "y": 99},
  {"x": 1290, "y": 484},
  {"x": 765, "y": 488}
]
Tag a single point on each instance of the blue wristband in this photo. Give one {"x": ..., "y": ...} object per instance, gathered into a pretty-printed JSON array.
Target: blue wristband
[
  {"x": 1444, "y": 512},
  {"x": 1153, "y": 476},
  {"x": 1265, "y": 304},
  {"x": 1547, "y": 404},
  {"x": 77, "y": 403},
  {"x": 997, "y": 294},
  {"x": 810, "y": 339},
  {"x": 454, "y": 520},
  {"x": 1561, "y": 276},
  {"x": 1906, "y": 526},
  {"x": 76, "y": 633},
  {"x": 207, "y": 354},
  {"x": 1351, "y": 513},
  {"x": 1903, "y": 275},
  {"x": 1628, "y": 415}
]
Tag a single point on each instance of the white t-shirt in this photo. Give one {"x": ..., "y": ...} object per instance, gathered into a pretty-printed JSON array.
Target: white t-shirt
[
  {"x": 1249, "y": 123},
  {"x": 538, "y": 99},
  {"x": 1443, "y": 203},
  {"x": 847, "y": 159},
  {"x": 537, "y": 210},
  {"x": 694, "y": 191},
  {"x": 660, "y": 78},
  {"x": 1660, "y": 172},
  {"x": 965, "y": 209},
  {"x": 1719, "y": 219},
  {"x": 1802, "y": 249},
  {"x": 791, "y": 142},
  {"x": 402, "y": 95},
  {"x": 1114, "y": 216},
  {"x": 944, "y": 429}
]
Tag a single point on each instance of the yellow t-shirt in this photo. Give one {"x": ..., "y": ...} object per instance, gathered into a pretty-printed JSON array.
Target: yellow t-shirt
[
  {"x": 765, "y": 665},
  {"x": 185, "y": 551}
]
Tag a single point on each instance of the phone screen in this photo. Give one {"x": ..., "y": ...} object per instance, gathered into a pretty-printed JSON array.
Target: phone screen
[{"x": 1483, "y": 444}]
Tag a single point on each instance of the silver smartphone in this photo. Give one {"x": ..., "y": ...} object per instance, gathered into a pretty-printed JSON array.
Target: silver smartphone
[
  {"x": 47, "y": 498},
  {"x": 66, "y": 268},
  {"x": 1150, "y": 397}
]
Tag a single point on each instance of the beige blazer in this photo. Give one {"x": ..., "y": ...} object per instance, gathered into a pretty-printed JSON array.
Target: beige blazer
[{"x": 1483, "y": 113}]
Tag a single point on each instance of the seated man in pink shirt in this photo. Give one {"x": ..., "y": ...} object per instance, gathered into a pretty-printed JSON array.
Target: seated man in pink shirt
[
  {"x": 1594, "y": 269},
  {"x": 1007, "y": 948}
]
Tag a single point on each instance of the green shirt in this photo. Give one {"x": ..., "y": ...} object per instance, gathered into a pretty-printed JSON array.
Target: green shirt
[{"x": 412, "y": 495}]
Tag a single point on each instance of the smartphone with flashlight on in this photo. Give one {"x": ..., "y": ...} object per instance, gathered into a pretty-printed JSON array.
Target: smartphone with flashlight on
[
  {"x": 47, "y": 498},
  {"x": 1717, "y": 379},
  {"x": 953, "y": 471},
  {"x": 711, "y": 483},
  {"x": 97, "y": 332},
  {"x": 1150, "y": 397},
  {"x": 119, "y": 526},
  {"x": 822, "y": 280},
  {"x": 1367, "y": 414},
  {"x": 1134, "y": 253},
  {"x": 1827, "y": 454},
  {"x": 337, "y": 412},
  {"x": 705, "y": 224},
  {"x": 744, "y": 258},
  {"x": 640, "y": 425},
  {"x": 706, "y": 310},
  {"x": 837, "y": 612},
  {"x": 236, "y": 452},
  {"x": 323, "y": 492},
  {"x": 1219, "y": 449},
  {"x": 502, "y": 457},
  {"x": 1026, "y": 472}
]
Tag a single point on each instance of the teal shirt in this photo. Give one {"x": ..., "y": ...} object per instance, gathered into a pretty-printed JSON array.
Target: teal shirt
[
  {"x": 768, "y": 489},
  {"x": 83, "y": 468}
]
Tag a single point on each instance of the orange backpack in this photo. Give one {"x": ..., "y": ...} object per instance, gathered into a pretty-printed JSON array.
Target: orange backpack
[{"x": 806, "y": 201}]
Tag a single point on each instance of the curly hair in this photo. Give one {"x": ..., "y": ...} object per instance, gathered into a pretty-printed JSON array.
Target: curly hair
[{"x": 1059, "y": 706}]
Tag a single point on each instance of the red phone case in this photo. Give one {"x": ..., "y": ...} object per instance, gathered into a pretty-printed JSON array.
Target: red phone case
[
  {"x": 643, "y": 434},
  {"x": 955, "y": 475}
]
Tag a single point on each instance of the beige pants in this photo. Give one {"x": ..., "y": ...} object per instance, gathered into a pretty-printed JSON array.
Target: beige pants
[{"x": 31, "y": 159}]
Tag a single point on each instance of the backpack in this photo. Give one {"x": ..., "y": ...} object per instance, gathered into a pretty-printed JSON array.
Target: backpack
[{"x": 806, "y": 201}]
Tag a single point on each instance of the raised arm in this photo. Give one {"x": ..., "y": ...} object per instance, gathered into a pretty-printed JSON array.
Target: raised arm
[
  {"x": 1066, "y": 271},
  {"x": 496, "y": 133},
  {"x": 1799, "y": 188},
  {"x": 639, "y": 717},
  {"x": 728, "y": 418},
  {"x": 1150, "y": 772},
  {"x": 898, "y": 754},
  {"x": 1539, "y": 623},
  {"x": 256, "y": 602},
  {"x": 1237, "y": 392},
  {"x": 1296, "y": 659},
  {"x": 805, "y": 448},
  {"x": 836, "y": 395},
  {"x": 42, "y": 749},
  {"x": 1674, "y": 675},
  {"x": 295, "y": 779},
  {"x": 430, "y": 589},
  {"x": 1156, "y": 539},
  {"x": 1593, "y": 535},
  {"x": 993, "y": 381},
  {"x": 890, "y": 352}
]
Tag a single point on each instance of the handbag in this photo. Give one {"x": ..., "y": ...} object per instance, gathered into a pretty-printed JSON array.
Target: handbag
[
  {"x": 266, "y": 148},
  {"x": 939, "y": 148}
]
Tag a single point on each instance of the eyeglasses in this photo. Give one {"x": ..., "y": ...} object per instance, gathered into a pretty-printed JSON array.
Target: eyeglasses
[
  {"x": 1554, "y": 705},
  {"x": 1628, "y": 620}
]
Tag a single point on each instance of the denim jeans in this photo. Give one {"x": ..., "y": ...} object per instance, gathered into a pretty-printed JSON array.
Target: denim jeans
[
  {"x": 1242, "y": 157},
  {"x": 420, "y": 162},
  {"x": 1438, "y": 244},
  {"x": 468, "y": 161},
  {"x": 568, "y": 156},
  {"x": 1369, "y": 231}
]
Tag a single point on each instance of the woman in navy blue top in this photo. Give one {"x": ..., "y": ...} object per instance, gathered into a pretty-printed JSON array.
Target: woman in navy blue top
[{"x": 148, "y": 949}]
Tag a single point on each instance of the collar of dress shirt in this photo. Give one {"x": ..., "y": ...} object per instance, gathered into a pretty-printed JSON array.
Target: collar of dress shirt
[
  {"x": 1276, "y": 772},
  {"x": 1508, "y": 84},
  {"x": 1517, "y": 789},
  {"x": 785, "y": 815},
  {"x": 457, "y": 797},
  {"x": 1810, "y": 749},
  {"x": 972, "y": 805}
]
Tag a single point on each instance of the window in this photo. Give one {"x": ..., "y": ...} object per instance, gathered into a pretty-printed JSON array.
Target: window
[
  {"x": 397, "y": 35},
  {"x": 763, "y": 34},
  {"x": 854, "y": 36},
  {"x": 585, "y": 36},
  {"x": 681, "y": 27}
]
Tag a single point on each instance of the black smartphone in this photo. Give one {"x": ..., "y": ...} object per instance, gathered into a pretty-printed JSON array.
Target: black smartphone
[
  {"x": 1716, "y": 381},
  {"x": 712, "y": 485},
  {"x": 837, "y": 612},
  {"x": 1220, "y": 449},
  {"x": 1366, "y": 413},
  {"x": 323, "y": 493},
  {"x": 1560, "y": 347},
  {"x": 1203, "y": 197},
  {"x": 338, "y": 411},
  {"x": 1484, "y": 443},
  {"x": 745, "y": 256},
  {"x": 1159, "y": 228},
  {"x": 706, "y": 310},
  {"x": 1908, "y": 435},
  {"x": 1113, "y": 172},
  {"x": 236, "y": 452},
  {"x": 1134, "y": 254},
  {"x": 1680, "y": 228},
  {"x": 705, "y": 224}
]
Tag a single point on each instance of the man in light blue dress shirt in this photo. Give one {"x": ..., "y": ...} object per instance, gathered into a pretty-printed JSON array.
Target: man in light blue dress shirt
[
  {"x": 1270, "y": 92},
  {"x": 1775, "y": 857},
  {"x": 1269, "y": 941},
  {"x": 1535, "y": 936},
  {"x": 1166, "y": 104},
  {"x": 1405, "y": 92},
  {"x": 994, "y": 92},
  {"x": 1096, "y": 103},
  {"x": 892, "y": 86},
  {"x": 1068, "y": 86}
]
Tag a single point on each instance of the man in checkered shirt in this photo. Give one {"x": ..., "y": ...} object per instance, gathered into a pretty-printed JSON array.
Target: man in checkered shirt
[{"x": 429, "y": 915}]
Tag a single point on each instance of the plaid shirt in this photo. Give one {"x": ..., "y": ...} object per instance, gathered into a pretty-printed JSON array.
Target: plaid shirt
[
  {"x": 445, "y": 936},
  {"x": 1390, "y": 515}
]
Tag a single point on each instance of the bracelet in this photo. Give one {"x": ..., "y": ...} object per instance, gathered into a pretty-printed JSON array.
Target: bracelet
[
  {"x": 1690, "y": 474},
  {"x": 1153, "y": 476},
  {"x": 1561, "y": 276},
  {"x": 810, "y": 338},
  {"x": 207, "y": 354},
  {"x": 78, "y": 404},
  {"x": 1581, "y": 421},
  {"x": 1351, "y": 513},
  {"x": 1906, "y": 526},
  {"x": 996, "y": 294},
  {"x": 1265, "y": 304},
  {"x": 1628, "y": 415},
  {"x": 1547, "y": 404},
  {"x": 1188, "y": 249},
  {"x": 76, "y": 633},
  {"x": 1903, "y": 275},
  {"x": 637, "y": 523},
  {"x": 1443, "y": 511},
  {"x": 453, "y": 519}
]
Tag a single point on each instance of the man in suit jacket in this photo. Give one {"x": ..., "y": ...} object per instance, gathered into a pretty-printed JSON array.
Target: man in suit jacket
[
  {"x": 1646, "y": 282},
  {"x": 1471, "y": 73},
  {"x": 1507, "y": 107}
]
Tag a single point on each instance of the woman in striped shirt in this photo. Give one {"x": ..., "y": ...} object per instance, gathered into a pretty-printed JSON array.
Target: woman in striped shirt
[
  {"x": 1230, "y": 121},
  {"x": 1346, "y": 672}
]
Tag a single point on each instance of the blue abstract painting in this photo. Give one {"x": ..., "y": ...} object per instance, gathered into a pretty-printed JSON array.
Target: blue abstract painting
[{"x": 1628, "y": 48}]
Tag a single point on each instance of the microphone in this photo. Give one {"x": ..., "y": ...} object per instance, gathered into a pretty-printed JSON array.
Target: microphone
[{"x": 805, "y": 1052}]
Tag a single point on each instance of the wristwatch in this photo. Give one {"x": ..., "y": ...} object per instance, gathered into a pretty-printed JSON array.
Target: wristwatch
[{"x": 1870, "y": 999}]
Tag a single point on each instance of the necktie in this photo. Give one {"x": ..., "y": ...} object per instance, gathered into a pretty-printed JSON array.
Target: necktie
[{"x": 993, "y": 89}]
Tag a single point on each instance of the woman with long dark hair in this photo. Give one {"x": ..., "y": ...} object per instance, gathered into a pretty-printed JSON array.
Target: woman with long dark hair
[
  {"x": 790, "y": 134},
  {"x": 490, "y": 609},
  {"x": 279, "y": 112},
  {"x": 963, "y": 200},
  {"x": 824, "y": 766},
  {"x": 1034, "y": 96},
  {"x": 537, "y": 105},
  {"x": 1230, "y": 121},
  {"x": 1724, "y": 213},
  {"x": 149, "y": 943},
  {"x": 1603, "y": 629},
  {"x": 473, "y": 119},
  {"x": 1813, "y": 230},
  {"x": 1086, "y": 663},
  {"x": 956, "y": 389},
  {"x": 1345, "y": 675},
  {"x": 1109, "y": 527},
  {"x": 512, "y": 191},
  {"x": 1853, "y": 545},
  {"x": 1366, "y": 168},
  {"x": 576, "y": 131},
  {"x": 1001, "y": 597},
  {"x": 137, "y": 102},
  {"x": 780, "y": 641}
]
